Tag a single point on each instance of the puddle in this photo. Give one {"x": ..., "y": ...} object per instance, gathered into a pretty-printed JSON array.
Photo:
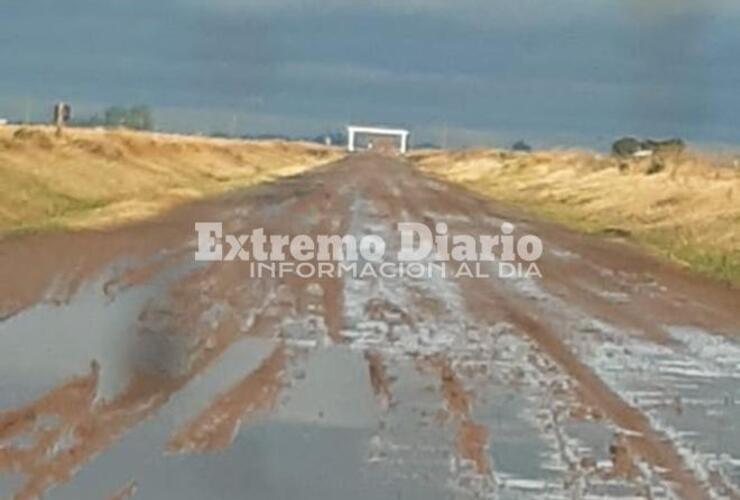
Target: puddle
[
  {"x": 517, "y": 448},
  {"x": 47, "y": 344},
  {"x": 336, "y": 391},
  {"x": 294, "y": 454},
  {"x": 267, "y": 460},
  {"x": 9, "y": 482},
  {"x": 410, "y": 443},
  {"x": 143, "y": 449},
  {"x": 592, "y": 438}
]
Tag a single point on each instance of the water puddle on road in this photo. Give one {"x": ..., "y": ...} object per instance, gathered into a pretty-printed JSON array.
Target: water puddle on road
[
  {"x": 517, "y": 447},
  {"x": 266, "y": 460},
  {"x": 591, "y": 438},
  {"x": 335, "y": 391},
  {"x": 316, "y": 444},
  {"x": 141, "y": 453},
  {"x": 49, "y": 344},
  {"x": 408, "y": 444},
  {"x": 9, "y": 482}
]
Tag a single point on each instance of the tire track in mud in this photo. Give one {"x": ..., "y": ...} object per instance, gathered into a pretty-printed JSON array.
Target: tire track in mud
[
  {"x": 217, "y": 425},
  {"x": 379, "y": 378},
  {"x": 640, "y": 437},
  {"x": 471, "y": 439},
  {"x": 377, "y": 205}
]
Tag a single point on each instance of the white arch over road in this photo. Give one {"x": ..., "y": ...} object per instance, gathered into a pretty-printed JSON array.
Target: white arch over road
[{"x": 353, "y": 130}]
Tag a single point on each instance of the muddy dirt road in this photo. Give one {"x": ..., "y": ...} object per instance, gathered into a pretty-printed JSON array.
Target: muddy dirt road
[{"x": 128, "y": 369}]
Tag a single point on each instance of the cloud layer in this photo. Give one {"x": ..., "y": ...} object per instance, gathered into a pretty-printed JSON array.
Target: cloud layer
[{"x": 572, "y": 70}]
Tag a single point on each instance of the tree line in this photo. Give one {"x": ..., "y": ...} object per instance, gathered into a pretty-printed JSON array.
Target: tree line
[{"x": 134, "y": 117}]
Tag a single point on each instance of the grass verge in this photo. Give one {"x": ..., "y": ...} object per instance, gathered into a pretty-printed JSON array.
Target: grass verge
[
  {"x": 92, "y": 178},
  {"x": 686, "y": 210}
]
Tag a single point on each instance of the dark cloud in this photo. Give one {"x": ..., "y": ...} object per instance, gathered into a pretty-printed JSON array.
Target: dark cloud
[{"x": 571, "y": 70}]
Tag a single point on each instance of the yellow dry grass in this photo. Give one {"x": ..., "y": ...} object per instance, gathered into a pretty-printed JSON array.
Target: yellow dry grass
[
  {"x": 688, "y": 212},
  {"x": 93, "y": 178}
]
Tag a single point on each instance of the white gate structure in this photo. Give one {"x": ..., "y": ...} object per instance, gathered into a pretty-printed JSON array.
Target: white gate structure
[{"x": 353, "y": 130}]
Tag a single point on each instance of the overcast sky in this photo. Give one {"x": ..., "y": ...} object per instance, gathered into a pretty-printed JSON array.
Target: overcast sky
[{"x": 553, "y": 72}]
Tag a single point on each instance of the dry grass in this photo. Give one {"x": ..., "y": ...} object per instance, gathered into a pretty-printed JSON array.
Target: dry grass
[
  {"x": 92, "y": 178},
  {"x": 689, "y": 211}
]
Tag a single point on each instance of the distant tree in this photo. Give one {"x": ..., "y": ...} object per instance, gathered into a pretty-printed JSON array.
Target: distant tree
[
  {"x": 627, "y": 146},
  {"x": 521, "y": 146},
  {"x": 88, "y": 121},
  {"x": 136, "y": 117},
  {"x": 115, "y": 116},
  {"x": 141, "y": 118}
]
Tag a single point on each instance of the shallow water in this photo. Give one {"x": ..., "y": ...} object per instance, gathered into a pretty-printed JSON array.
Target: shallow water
[
  {"x": 316, "y": 445},
  {"x": 517, "y": 448},
  {"x": 49, "y": 344}
]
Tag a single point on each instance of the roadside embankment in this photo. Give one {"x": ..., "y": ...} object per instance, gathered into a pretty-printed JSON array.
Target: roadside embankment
[
  {"x": 686, "y": 209},
  {"x": 94, "y": 177}
]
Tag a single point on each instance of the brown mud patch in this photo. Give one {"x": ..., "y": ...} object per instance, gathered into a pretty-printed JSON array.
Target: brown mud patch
[
  {"x": 77, "y": 428},
  {"x": 471, "y": 439},
  {"x": 472, "y": 444},
  {"x": 379, "y": 378}
]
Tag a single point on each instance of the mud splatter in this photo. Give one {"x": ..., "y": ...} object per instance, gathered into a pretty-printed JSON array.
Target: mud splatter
[
  {"x": 128, "y": 491},
  {"x": 379, "y": 378}
]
